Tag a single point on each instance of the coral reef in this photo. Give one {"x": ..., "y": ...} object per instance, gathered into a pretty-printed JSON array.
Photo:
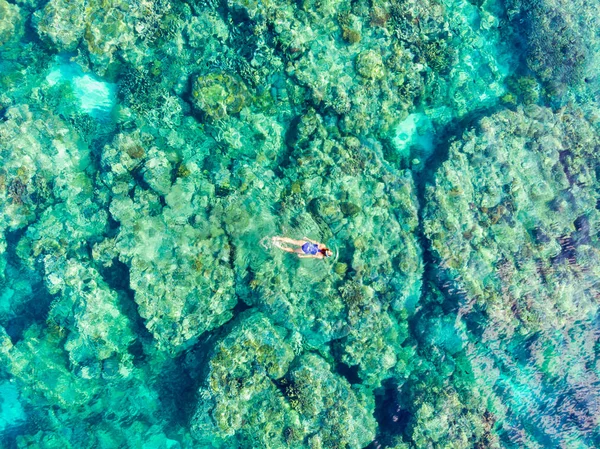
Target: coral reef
[
  {"x": 60, "y": 22},
  {"x": 241, "y": 401},
  {"x": 331, "y": 412},
  {"x": 177, "y": 252},
  {"x": 513, "y": 234},
  {"x": 343, "y": 193},
  {"x": 86, "y": 306},
  {"x": 34, "y": 174},
  {"x": 446, "y": 151},
  {"x": 560, "y": 41},
  {"x": 11, "y": 24},
  {"x": 248, "y": 402},
  {"x": 218, "y": 95}
]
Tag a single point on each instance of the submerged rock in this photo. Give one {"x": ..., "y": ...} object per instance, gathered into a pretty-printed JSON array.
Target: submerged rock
[
  {"x": 60, "y": 22},
  {"x": 218, "y": 95},
  {"x": 11, "y": 23}
]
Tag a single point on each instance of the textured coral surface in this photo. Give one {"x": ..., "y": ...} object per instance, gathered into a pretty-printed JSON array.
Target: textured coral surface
[{"x": 446, "y": 151}]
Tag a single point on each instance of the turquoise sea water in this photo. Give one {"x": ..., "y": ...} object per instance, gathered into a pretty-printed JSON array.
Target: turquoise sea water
[{"x": 447, "y": 151}]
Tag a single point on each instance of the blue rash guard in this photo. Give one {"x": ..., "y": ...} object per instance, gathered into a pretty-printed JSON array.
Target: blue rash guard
[{"x": 310, "y": 248}]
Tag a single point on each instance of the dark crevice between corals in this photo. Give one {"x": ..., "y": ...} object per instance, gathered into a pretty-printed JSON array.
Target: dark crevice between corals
[
  {"x": 242, "y": 36},
  {"x": 12, "y": 239},
  {"x": 283, "y": 385},
  {"x": 97, "y": 145},
  {"x": 117, "y": 277},
  {"x": 138, "y": 176},
  {"x": 350, "y": 373},
  {"x": 34, "y": 310},
  {"x": 31, "y": 35},
  {"x": 432, "y": 277},
  {"x": 36, "y": 307},
  {"x": 291, "y": 137},
  {"x": 113, "y": 227},
  {"x": 11, "y": 433},
  {"x": 240, "y": 305},
  {"x": 391, "y": 415},
  {"x": 182, "y": 376},
  {"x": 179, "y": 383}
]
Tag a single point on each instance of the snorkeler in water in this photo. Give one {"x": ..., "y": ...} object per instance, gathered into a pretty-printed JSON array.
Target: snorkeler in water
[{"x": 308, "y": 249}]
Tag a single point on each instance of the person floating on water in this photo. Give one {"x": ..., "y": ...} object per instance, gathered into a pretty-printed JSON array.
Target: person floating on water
[{"x": 307, "y": 248}]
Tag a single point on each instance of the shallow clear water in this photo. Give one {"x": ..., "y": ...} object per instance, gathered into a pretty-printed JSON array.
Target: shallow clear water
[{"x": 445, "y": 151}]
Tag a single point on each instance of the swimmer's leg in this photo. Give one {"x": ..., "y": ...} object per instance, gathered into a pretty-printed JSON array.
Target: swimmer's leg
[
  {"x": 266, "y": 242},
  {"x": 288, "y": 240},
  {"x": 278, "y": 244}
]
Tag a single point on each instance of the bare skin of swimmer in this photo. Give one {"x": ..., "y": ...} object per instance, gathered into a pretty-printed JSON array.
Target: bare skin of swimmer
[{"x": 323, "y": 250}]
